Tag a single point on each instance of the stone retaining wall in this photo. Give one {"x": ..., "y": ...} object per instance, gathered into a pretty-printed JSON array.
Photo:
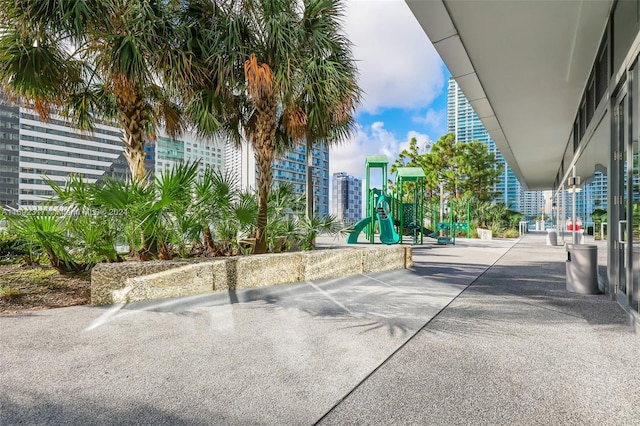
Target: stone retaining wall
[{"x": 135, "y": 281}]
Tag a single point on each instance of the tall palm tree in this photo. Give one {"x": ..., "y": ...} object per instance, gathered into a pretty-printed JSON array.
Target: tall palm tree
[
  {"x": 329, "y": 92},
  {"x": 113, "y": 59},
  {"x": 260, "y": 59}
]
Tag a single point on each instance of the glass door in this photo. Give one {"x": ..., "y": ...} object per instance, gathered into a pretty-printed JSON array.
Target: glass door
[
  {"x": 634, "y": 111},
  {"x": 633, "y": 277},
  {"x": 619, "y": 231}
]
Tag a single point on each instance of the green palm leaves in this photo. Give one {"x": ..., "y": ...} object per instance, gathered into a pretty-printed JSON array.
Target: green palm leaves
[
  {"x": 110, "y": 59},
  {"x": 274, "y": 72},
  {"x": 280, "y": 71}
]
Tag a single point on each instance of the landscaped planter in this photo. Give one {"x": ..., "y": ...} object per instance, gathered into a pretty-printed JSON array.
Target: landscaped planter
[{"x": 135, "y": 281}]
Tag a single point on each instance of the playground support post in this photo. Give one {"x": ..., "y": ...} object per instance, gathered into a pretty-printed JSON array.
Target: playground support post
[
  {"x": 379, "y": 162},
  {"x": 452, "y": 227},
  {"x": 400, "y": 217},
  {"x": 468, "y": 219}
]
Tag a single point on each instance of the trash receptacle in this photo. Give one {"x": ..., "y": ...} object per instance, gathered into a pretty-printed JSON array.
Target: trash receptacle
[
  {"x": 552, "y": 237},
  {"x": 582, "y": 268}
]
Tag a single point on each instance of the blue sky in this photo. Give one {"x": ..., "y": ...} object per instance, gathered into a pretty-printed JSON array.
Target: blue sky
[{"x": 404, "y": 81}]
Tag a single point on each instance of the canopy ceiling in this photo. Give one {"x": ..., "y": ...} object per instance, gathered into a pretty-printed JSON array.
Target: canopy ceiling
[{"x": 523, "y": 65}]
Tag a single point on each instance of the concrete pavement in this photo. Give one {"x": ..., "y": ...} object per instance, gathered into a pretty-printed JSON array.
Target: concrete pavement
[
  {"x": 399, "y": 347},
  {"x": 513, "y": 349}
]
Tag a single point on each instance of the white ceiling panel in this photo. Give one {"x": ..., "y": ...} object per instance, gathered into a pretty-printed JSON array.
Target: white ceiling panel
[
  {"x": 531, "y": 60},
  {"x": 453, "y": 54}
]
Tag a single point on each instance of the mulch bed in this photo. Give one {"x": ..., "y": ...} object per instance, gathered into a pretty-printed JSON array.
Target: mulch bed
[{"x": 31, "y": 288}]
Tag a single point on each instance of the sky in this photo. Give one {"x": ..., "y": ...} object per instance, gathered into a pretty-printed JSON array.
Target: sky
[{"x": 404, "y": 83}]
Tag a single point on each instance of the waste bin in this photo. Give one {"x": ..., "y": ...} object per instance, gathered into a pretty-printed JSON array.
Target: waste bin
[
  {"x": 582, "y": 268},
  {"x": 552, "y": 237}
]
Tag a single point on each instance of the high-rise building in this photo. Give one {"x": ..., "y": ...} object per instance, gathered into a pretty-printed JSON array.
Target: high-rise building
[
  {"x": 346, "y": 193},
  {"x": 188, "y": 147},
  {"x": 532, "y": 204},
  {"x": 292, "y": 167},
  {"x": 55, "y": 149},
  {"x": 289, "y": 167},
  {"x": 9, "y": 152},
  {"x": 464, "y": 122},
  {"x": 31, "y": 149}
]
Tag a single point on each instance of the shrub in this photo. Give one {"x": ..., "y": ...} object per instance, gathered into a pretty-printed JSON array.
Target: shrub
[
  {"x": 511, "y": 233},
  {"x": 12, "y": 245},
  {"x": 45, "y": 232},
  {"x": 474, "y": 232},
  {"x": 6, "y": 292}
]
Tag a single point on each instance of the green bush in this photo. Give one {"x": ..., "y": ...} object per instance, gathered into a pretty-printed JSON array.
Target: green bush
[
  {"x": 511, "y": 233},
  {"x": 12, "y": 245},
  {"x": 179, "y": 213},
  {"x": 47, "y": 234}
]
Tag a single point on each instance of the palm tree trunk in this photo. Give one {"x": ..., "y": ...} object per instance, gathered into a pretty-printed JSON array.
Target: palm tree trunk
[
  {"x": 264, "y": 158},
  {"x": 134, "y": 152},
  {"x": 264, "y": 186},
  {"x": 208, "y": 240},
  {"x": 309, "y": 177},
  {"x": 261, "y": 88},
  {"x": 264, "y": 146},
  {"x": 133, "y": 119}
]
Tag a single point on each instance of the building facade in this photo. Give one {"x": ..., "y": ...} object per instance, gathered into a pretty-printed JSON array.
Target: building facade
[
  {"x": 346, "y": 198},
  {"x": 55, "y": 149},
  {"x": 31, "y": 149},
  {"x": 9, "y": 155},
  {"x": 189, "y": 148},
  {"x": 562, "y": 110},
  {"x": 532, "y": 204},
  {"x": 290, "y": 167},
  {"x": 464, "y": 122}
]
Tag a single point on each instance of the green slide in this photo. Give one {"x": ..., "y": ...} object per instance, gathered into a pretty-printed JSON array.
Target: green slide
[
  {"x": 388, "y": 234},
  {"x": 357, "y": 229}
]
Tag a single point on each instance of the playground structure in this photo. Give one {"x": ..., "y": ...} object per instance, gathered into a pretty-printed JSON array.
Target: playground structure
[
  {"x": 411, "y": 215},
  {"x": 445, "y": 232},
  {"x": 382, "y": 207},
  {"x": 378, "y": 206}
]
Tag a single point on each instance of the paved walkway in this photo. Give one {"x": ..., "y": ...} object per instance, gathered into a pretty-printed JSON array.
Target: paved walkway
[{"x": 477, "y": 333}]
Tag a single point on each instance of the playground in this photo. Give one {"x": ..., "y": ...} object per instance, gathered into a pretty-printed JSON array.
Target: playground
[{"x": 392, "y": 214}]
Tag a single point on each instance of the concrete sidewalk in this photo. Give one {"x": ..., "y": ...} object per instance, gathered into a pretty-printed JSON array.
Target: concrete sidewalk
[
  {"x": 513, "y": 349},
  {"x": 399, "y": 347}
]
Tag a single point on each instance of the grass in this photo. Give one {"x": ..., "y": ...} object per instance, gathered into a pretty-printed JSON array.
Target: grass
[{"x": 8, "y": 293}]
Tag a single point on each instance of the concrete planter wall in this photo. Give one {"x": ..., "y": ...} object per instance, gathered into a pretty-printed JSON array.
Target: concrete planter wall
[
  {"x": 485, "y": 234},
  {"x": 135, "y": 281}
]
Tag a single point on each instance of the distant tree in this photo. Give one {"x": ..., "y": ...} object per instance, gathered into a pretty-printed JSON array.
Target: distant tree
[
  {"x": 442, "y": 165},
  {"x": 409, "y": 157},
  {"x": 478, "y": 170},
  {"x": 463, "y": 168}
]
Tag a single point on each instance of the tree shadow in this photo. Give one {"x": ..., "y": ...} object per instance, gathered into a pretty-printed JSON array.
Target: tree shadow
[{"x": 41, "y": 408}]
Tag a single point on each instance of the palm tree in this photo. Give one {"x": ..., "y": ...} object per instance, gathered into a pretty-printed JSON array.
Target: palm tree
[
  {"x": 112, "y": 59},
  {"x": 260, "y": 59},
  {"x": 329, "y": 94}
]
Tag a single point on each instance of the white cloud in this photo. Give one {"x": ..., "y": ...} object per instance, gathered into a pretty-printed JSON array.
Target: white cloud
[
  {"x": 371, "y": 140},
  {"x": 437, "y": 120},
  {"x": 398, "y": 65}
]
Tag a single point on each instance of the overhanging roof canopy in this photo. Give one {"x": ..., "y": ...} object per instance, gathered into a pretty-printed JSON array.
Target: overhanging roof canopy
[{"x": 523, "y": 66}]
